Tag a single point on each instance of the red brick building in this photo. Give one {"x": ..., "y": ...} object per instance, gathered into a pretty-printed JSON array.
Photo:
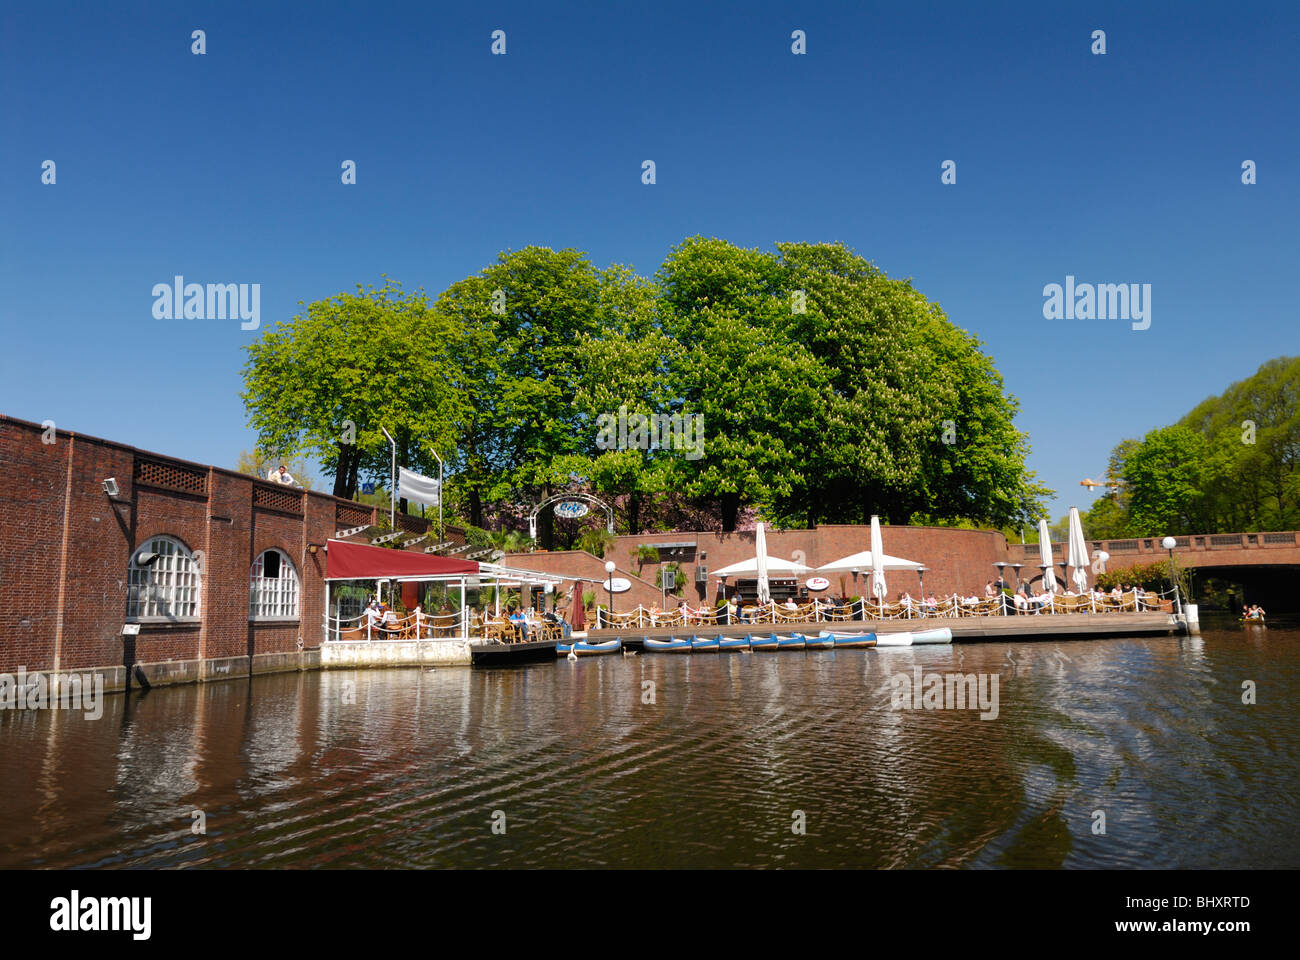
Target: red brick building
[{"x": 68, "y": 544}]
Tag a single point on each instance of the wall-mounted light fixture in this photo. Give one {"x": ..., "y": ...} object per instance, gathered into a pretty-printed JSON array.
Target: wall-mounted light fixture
[{"x": 110, "y": 486}]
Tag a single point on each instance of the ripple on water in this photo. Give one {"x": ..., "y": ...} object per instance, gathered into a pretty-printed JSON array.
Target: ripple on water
[{"x": 729, "y": 755}]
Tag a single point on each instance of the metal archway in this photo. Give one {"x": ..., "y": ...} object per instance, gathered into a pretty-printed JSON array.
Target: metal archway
[{"x": 532, "y": 517}]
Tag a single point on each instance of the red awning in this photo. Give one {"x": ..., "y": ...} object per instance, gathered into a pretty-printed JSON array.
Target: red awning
[{"x": 357, "y": 561}]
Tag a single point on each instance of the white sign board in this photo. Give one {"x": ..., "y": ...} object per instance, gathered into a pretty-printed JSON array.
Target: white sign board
[
  {"x": 818, "y": 583},
  {"x": 619, "y": 585}
]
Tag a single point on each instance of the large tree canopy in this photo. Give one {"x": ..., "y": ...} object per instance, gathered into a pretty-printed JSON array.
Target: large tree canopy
[{"x": 827, "y": 390}]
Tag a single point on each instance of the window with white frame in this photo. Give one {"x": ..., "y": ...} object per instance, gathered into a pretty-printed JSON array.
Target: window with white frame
[
  {"x": 163, "y": 582},
  {"x": 273, "y": 587}
]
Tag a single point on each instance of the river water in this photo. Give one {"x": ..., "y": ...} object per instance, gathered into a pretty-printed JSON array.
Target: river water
[{"x": 1103, "y": 753}]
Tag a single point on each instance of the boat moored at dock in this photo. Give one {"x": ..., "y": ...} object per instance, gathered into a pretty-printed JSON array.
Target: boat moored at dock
[
  {"x": 671, "y": 645},
  {"x": 850, "y": 640},
  {"x": 584, "y": 649}
]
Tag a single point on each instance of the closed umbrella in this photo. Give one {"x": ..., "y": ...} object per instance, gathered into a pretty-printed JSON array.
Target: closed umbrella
[
  {"x": 877, "y": 561},
  {"x": 1078, "y": 551},
  {"x": 1045, "y": 555},
  {"x": 760, "y": 548}
]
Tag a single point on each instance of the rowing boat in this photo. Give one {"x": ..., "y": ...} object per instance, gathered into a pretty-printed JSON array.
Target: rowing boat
[
  {"x": 851, "y": 639},
  {"x": 584, "y": 649},
  {"x": 769, "y": 642},
  {"x": 704, "y": 644},
  {"x": 672, "y": 645}
]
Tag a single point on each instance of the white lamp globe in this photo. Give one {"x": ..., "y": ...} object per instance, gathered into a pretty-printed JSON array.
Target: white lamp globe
[
  {"x": 1168, "y": 543},
  {"x": 609, "y": 566}
]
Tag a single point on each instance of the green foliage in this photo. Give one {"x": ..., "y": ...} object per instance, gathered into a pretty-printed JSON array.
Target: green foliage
[
  {"x": 596, "y": 541},
  {"x": 1228, "y": 465},
  {"x": 1150, "y": 576},
  {"x": 352, "y": 364},
  {"x": 828, "y": 390}
]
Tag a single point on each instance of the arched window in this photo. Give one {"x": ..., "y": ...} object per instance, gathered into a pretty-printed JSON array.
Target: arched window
[
  {"x": 163, "y": 582},
  {"x": 273, "y": 587}
]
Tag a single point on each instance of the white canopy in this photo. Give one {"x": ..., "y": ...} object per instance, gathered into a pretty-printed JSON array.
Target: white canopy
[
  {"x": 775, "y": 567},
  {"x": 863, "y": 562}
]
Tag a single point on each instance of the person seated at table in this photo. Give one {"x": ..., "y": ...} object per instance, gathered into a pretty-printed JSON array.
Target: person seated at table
[
  {"x": 1021, "y": 598},
  {"x": 790, "y": 605},
  {"x": 374, "y": 617},
  {"x": 932, "y": 602},
  {"x": 519, "y": 622}
]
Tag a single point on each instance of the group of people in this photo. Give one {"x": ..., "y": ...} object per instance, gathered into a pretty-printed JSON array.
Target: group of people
[
  {"x": 1252, "y": 611},
  {"x": 528, "y": 622}
]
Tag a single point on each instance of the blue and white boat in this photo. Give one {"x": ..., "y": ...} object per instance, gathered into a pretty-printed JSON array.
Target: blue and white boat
[
  {"x": 795, "y": 642},
  {"x": 705, "y": 645},
  {"x": 733, "y": 643},
  {"x": 671, "y": 645},
  {"x": 938, "y": 635},
  {"x": 848, "y": 640},
  {"x": 769, "y": 642},
  {"x": 820, "y": 641},
  {"x": 584, "y": 649}
]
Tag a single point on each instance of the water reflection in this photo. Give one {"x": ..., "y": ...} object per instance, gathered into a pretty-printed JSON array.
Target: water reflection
[{"x": 591, "y": 765}]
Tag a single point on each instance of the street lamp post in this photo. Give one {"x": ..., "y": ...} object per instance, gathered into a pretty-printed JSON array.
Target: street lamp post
[
  {"x": 609, "y": 585},
  {"x": 1169, "y": 543}
]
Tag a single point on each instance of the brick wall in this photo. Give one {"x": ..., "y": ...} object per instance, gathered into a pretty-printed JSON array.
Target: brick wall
[{"x": 45, "y": 486}]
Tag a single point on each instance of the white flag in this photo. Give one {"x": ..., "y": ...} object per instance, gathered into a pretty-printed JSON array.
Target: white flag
[{"x": 421, "y": 489}]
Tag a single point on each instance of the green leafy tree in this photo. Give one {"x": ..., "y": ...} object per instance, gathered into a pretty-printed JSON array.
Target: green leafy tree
[
  {"x": 326, "y": 382},
  {"x": 1165, "y": 475}
]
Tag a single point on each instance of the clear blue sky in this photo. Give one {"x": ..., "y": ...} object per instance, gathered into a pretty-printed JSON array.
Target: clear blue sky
[{"x": 225, "y": 168}]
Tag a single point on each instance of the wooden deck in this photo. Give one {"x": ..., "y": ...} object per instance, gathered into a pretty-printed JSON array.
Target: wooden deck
[{"x": 1079, "y": 626}]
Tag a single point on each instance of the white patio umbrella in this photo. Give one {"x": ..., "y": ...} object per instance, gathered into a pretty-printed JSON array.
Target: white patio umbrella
[
  {"x": 749, "y": 568},
  {"x": 1078, "y": 551},
  {"x": 1045, "y": 555},
  {"x": 760, "y": 555},
  {"x": 877, "y": 560},
  {"x": 865, "y": 560}
]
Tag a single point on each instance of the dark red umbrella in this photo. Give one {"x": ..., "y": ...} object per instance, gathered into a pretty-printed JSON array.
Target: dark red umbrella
[{"x": 578, "y": 620}]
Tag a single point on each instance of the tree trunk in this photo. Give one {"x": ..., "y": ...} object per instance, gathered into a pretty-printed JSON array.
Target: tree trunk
[
  {"x": 633, "y": 514},
  {"x": 341, "y": 470},
  {"x": 730, "y": 507},
  {"x": 353, "y": 468},
  {"x": 475, "y": 507}
]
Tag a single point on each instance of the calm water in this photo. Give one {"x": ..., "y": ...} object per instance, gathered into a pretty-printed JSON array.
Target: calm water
[{"x": 1152, "y": 732}]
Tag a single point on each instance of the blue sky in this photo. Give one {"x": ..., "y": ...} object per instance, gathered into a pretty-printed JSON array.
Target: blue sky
[{"x": 1123, "y": 168}]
